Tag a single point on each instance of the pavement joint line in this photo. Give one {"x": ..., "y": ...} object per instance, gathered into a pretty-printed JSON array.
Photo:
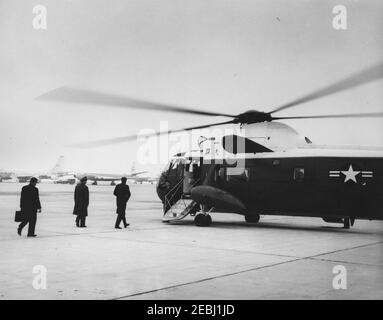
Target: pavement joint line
[
  {"x": 346, "y": 249},
  {"x": 348, "y": 262},
  {"x": 205, "y": 279},
  {"x": 241, "y": 272}
]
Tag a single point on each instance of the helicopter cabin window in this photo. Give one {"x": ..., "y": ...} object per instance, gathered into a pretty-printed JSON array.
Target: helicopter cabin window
[
  {"x": 242, "y": 174},
  {"x": 299, "y": 174}
]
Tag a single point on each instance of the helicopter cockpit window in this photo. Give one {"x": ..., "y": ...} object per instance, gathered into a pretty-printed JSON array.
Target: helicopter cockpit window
[
  {"x": 174, "y": 165},
  {"x": 299, "y": 174}
]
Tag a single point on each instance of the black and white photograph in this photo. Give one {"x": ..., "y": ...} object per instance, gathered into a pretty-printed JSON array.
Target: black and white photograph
[{"x": 204, "y": 151}]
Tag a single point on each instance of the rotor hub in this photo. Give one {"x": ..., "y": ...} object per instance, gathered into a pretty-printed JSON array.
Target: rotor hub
[{"x": 253, "y": 116}]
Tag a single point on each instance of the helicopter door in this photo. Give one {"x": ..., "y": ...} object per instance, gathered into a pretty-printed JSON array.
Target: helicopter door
[
  {"x": 192, "y": 173},
  {"x": 175, "y": 171}
]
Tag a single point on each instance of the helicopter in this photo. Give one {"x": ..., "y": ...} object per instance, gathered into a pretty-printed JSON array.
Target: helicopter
[{"x": 266, "y": 169}]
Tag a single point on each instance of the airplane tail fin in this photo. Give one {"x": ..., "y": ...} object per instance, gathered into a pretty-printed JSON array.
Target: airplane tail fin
[
  {"x": 59, "y": 167},
  {"x": 133, "y": 170}
]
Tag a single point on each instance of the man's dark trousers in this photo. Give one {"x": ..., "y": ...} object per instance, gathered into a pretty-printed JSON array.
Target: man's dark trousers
[
  {"x": 30, "y": 219},
  {"x": 80, "y": 221},
  {"x": 121, "y": 217}
]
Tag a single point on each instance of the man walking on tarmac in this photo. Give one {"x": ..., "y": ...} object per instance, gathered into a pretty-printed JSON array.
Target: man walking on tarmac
[
  {"x": 81, "y": 202},
  {"x": 29, "y": 205},
  {"x": 122, "y": 193}
]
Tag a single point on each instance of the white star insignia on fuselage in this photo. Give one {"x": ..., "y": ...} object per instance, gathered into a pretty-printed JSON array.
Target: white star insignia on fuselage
[{"x": 350, "y": 174}]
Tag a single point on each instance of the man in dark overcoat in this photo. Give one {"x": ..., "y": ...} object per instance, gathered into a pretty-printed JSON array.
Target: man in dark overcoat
[
  {"x": 81, "y": 202},
  {"x": 122, "y": 193},
  {"x": 29, "y": 205}
]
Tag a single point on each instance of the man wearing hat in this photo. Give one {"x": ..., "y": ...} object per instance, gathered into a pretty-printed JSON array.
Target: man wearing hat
[
  {"x": 29, "y": 205},
  {"x": 81, "y": 202},
  {"x": 122, "y": 193}
]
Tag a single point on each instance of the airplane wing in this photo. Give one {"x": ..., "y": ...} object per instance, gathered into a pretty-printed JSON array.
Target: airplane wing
[{"x": 137, "y": 173}]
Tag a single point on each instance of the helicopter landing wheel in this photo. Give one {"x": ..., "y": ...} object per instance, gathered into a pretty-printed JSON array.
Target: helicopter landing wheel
[
  {"x": 252, "y": 218},
  {"x": 346, "y": 223},
  {"x": 202, "y": 220}
]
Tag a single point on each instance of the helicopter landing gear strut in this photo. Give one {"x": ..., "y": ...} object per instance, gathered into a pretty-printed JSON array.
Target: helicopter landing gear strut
[
  {"x": 254, "y": 218},
  {"x": 348, "y": 222},
  {"x": 203, "y": 219}
]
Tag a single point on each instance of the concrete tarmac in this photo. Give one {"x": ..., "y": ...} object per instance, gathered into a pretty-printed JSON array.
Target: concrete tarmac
[{"x": 279, "y": 258}]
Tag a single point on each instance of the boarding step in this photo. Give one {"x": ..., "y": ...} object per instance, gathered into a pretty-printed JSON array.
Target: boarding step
[{"x": 179, "y": 210}]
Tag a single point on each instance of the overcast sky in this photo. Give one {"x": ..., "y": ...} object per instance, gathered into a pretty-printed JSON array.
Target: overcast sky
[{"x": 217, "y": 55}]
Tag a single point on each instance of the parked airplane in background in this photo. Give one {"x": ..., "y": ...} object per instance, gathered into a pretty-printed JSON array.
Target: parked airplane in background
[
  {"x": 133, "y": 177},
  {"x": 57, "y": 173},
  {"x": 60, "y": 176},
  {"x": 51, "y": 176}
]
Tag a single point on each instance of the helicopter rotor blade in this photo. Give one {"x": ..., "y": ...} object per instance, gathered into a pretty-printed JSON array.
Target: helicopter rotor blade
[
  {"x": 365, "y": 76},
  {"x": 329, "y": 116},
  {"x": 106, "y": 142},
  {"x": 92, "y": 97}
]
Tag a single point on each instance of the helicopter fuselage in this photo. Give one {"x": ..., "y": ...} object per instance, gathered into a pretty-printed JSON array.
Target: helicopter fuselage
[{"x": 331, "y": 184}]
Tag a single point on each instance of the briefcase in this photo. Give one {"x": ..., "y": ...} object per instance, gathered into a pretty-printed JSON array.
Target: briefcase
[{"x": 19, "y": 217}]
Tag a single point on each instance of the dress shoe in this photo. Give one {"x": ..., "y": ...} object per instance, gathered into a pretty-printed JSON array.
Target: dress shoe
[
  {"x": 19, "y": 231},
  {"x": 126, "y": 225},
  {"x": 32, "y": 235},
  {"x": 83, "y": 227},
  {"x": 117, "y": 227}
]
